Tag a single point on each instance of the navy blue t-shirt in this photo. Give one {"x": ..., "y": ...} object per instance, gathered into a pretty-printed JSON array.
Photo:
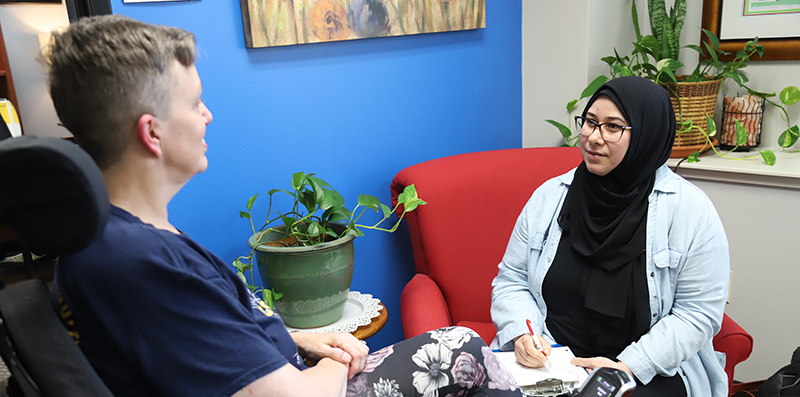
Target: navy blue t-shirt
[{"x": 157, "y": 314}]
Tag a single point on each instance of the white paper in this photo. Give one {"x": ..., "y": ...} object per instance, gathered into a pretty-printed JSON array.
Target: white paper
[{"x": 560, "y": 368}]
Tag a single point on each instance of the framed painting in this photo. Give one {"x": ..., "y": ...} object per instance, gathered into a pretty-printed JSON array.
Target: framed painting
[
  {"x": 269, "y": 23},
  {"x": 775, "y": 22},
  {"x": 30, "y": 1}
]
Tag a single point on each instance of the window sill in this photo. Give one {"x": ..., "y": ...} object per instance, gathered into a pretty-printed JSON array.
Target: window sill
[{"x": 785, "y": 173}]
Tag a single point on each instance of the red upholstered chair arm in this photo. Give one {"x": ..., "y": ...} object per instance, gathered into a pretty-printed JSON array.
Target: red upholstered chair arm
[
  {"x": 735, "y": 342},
  {"x": 423, "y": 307}
]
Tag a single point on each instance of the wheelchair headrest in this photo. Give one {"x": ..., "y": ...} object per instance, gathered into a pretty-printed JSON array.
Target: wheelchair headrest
[{"x": 52, "y": 194}]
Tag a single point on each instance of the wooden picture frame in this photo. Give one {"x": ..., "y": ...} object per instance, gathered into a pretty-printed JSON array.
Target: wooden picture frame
[{"x": 780, "y": 49}]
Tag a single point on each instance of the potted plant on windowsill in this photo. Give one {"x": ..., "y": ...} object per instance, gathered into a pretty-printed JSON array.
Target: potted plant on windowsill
[
  {"x": 305, "y": 255},
  {"x": 694, "y": 96}
]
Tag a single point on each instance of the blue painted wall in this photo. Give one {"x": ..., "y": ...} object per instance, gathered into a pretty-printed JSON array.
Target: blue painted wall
[{"x": 355, "y": 112}]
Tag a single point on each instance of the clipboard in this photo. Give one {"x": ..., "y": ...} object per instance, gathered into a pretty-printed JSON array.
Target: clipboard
[{"x": 562, "y": 377}]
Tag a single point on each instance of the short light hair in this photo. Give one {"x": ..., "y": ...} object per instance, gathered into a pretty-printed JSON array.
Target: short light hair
[{"x": 105, "y": 72}]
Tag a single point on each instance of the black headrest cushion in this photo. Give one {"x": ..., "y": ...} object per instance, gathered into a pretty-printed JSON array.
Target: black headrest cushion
[{"x": 51, "y": 194}]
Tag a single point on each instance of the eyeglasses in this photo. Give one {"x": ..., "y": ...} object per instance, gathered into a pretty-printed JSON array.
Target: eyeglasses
[{"x": 610, "y": 132}]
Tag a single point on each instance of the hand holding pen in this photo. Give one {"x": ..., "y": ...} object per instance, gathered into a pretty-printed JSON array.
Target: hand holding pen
[{"x": 525, "y": 352}]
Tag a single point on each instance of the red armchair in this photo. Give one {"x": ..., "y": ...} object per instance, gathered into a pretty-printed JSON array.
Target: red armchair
[{"x": 458, "y": 239}]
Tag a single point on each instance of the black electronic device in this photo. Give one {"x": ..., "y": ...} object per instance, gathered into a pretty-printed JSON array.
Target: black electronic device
[{"x": 606, "y": 382}]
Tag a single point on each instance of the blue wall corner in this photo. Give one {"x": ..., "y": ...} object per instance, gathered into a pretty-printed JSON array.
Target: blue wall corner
[{"x": 355, "y": 112}]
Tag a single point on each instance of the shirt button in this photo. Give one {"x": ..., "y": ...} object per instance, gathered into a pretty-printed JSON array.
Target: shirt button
[
  {"x": 654, "y": 314},
  {"x": 655, "y": 296},
  {"x": 652, "y": 274}
]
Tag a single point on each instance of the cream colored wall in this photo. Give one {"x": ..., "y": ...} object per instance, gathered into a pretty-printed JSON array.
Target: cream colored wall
[
  {"x": 554, "y": 59},
  {"x": 761, "y": 222},
  {"x": 21, "y": 25}
]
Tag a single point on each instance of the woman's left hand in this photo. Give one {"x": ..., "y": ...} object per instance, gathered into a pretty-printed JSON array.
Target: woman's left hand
[
  {"x": 342, "y": 347},
  {"x": 596, "y": 362}
]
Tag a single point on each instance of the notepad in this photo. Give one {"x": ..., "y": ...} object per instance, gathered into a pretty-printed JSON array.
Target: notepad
[{"x": 560, "y": 368}]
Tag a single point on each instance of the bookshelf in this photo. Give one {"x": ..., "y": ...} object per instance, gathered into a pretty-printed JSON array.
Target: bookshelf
[{"x": 6, "y": 82}]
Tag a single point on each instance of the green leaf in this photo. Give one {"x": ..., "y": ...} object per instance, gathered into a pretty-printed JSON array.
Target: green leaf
[
  {"x": 243, "y": 214},
  {"x": 790, "y": 95},
  {"x": 671, "y": 75},
  {"x": 713, "y": 55},
  {"x": 369, "y": 201},
  {"x": 678, "y": 19},
  {"x": 684, "y": 126},
  {"x": 668, "y": 48},
  {"x": 331, "y": 199},
  {"x": 741, "y": 133},
  {"x": 359, "y": 233},
  {"x": 668, "y": 64},
  {"x": 571, "y": 105},
  {"x": 250, "y": 202},
  {"x": 409, "y": 199},
  {"x": 386, "y": 210},
  {"x": 593, "y": 86},
  {"x": 693, "y": 157},
  {"x": 319, "y": 182},
  {"x": 339, "y": 214},
  {"x": 768, "y": 156},
  {"x": 565, "y": 131},
  {"x": 712, "y": 126},
  {"x": 635, "y": 16},
  {"x": 314, "y": 229},
  {"x": 695, "y": 47},
  {"x": 331, "y": 233},
  {"x": 288, "y": 221},
  {"x": 609, "y": 60},
  {"x": 273, "y": 191},
  {"x": 761, "y": 94},
  {"x": 270, "y": 296},
  {"x": 712, "y": 38},
  {"x": 241, "y": 277},
  {"x": 789, "y": 137},
  {"x": 737, "y": 77},
  {"x": 239, "y": 265},
  {"x": 307, "y": 199},
  {"x": 652, "y": 45},
  {"x": 298, "y": 180},
  {"x": 658, "y": 15}
]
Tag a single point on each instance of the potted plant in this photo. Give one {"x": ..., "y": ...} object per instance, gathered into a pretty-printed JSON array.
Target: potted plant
[
  {"x": 307, "y": 251},
  {"x": 694, "y": 96}
]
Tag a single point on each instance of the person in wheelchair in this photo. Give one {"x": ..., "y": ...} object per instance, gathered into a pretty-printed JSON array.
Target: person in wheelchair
[{"x": 154, "y": 312}]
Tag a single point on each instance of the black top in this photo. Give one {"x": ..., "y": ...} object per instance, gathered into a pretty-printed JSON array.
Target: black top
[{"x": 573, "y": 324}]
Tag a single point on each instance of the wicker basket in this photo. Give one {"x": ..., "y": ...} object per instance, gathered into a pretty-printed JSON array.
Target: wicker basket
[{"x": 696, "y": 100}]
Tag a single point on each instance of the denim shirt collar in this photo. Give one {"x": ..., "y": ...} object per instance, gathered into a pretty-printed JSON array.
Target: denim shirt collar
[{"x": 666, "y": 180}]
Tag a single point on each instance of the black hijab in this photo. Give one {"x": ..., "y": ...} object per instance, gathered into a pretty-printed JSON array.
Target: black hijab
[{"x": 605, "y": 217}]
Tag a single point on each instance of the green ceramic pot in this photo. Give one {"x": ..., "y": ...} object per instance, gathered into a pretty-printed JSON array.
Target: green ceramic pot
[{"x": 315, "y": 281}]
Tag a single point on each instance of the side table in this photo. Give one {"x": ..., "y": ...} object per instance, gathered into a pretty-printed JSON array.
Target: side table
[{"x": 365, "y": 331}]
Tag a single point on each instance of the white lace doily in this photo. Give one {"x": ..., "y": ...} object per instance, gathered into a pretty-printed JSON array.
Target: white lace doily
[{"x": 359, "y": 310}]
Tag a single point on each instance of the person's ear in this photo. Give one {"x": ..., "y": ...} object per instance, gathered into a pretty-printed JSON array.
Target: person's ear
[{"x": 148, "y": 131}]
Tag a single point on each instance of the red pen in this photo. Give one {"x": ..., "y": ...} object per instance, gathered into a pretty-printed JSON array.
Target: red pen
[{"x": 537, "y": 344}]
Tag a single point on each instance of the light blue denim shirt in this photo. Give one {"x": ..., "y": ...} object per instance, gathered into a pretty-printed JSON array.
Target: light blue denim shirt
[{"x": 687, "y": 278}]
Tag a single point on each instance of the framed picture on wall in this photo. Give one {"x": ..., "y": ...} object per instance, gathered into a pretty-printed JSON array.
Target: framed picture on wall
[
  {"x": 269, "y": 23},
  {"x": 148, "y": 1},
  {"x": 30, "y": 1},
  {"x": 776, "y": 23}
]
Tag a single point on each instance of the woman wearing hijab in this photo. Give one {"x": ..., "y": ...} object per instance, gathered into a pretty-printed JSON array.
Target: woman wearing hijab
[{"x": 620, "y": 259}]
